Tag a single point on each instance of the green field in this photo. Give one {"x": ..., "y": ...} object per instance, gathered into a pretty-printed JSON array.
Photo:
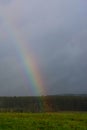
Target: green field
[{"x": 45, "y": 121}]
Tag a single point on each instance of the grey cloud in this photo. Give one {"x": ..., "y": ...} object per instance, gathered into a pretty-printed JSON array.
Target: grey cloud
[
  {"x": 68, "y": 71},
  {"x": 5, "y": 2},
  {"x": 11, "y": 80},
  {"x": 50, "y": 15},
  {"x": 57, "y": 33}
]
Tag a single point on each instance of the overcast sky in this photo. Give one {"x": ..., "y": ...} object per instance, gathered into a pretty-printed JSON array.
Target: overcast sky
[{"x": 56, "y": 30}]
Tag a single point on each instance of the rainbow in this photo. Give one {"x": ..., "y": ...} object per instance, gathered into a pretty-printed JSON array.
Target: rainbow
[{"x": 30, "y": 69}]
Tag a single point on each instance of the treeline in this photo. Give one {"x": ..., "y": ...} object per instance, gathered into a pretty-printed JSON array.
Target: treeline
[{"x": 43, "y": 104}]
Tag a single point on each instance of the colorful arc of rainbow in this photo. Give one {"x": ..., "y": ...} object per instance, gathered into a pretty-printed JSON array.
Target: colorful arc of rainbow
[{"x": 28, "y": 61}]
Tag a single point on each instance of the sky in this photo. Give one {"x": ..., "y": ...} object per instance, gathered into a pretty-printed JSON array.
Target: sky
[{"x": 56, "y": 33}]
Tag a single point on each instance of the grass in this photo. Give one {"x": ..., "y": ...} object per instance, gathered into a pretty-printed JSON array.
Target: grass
[{"x": 43, "y": 121}]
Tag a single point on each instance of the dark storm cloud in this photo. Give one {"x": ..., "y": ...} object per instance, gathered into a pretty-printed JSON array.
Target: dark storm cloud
[
  {"x": 66, "y": 69},
  {"x": 57, "y": 32}
]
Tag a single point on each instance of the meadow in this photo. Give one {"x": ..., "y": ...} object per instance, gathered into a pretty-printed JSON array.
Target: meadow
[{"x": 44, "y": 121}]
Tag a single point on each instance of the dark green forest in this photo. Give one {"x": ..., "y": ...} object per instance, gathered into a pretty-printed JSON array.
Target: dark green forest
[{"x": 44, "y": 103}]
